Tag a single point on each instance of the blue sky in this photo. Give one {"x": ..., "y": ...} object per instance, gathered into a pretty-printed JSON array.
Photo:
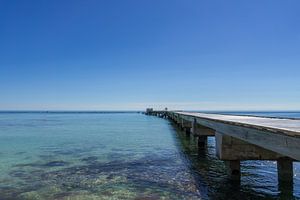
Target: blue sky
[{"x": 132, "y": 54}]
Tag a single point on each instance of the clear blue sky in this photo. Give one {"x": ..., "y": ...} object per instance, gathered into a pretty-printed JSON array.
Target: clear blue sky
[{"x": 131, "y": 54}]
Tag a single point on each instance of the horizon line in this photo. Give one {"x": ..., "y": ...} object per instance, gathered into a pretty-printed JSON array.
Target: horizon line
[{"x": 128, "y": 110}]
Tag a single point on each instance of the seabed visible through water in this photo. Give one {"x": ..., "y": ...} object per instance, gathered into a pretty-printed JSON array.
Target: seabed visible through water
[{"x": 118, "y": 156}]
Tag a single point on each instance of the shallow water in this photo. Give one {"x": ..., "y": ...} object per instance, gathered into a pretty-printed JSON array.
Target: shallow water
[{"x": 118, "y": 156}]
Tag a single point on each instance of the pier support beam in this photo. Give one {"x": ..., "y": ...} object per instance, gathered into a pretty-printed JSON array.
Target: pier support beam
[
  {"x": 177, "y": 120},
  {"x": 201, "y": 132},
  {"x": 186, "y": 126},
  {"x": 230, "y": 148},
  {"x": 198, "y": 130},
  {"x": 233, "y": 150}
]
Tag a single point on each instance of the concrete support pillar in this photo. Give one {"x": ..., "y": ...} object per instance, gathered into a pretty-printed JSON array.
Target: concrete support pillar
[
  {"x": 285, "y": 177},
  {"x": 285, "y": 170},
  {"x": 182, "y": 124},
  {"x": 233, "y": 169},
  {"x": 177, "y": 120},
  {"x": 202, "y": 142},
  {"x": 187, "y": 131},
  {"x": 194, "y": 124}
]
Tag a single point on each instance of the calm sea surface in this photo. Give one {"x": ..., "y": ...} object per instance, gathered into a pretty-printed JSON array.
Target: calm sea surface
[{"x": 120, "y": 156}]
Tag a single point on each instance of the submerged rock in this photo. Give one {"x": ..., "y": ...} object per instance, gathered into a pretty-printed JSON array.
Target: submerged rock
[
  {"x": 56, "y": 163},
  {"x": 33, "y": 195},
  {"x": 90, "y": 159}
]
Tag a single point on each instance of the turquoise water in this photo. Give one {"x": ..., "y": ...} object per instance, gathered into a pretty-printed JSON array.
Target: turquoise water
[{"x": 118, "y": 156}]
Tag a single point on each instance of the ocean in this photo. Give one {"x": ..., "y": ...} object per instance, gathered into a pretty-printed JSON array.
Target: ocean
[{"x": 120, "y": 155}]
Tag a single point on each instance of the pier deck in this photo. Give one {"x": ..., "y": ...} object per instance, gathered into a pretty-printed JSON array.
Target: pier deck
[
  {"x": 278, "y": 135},
  {"x": 279, "y": 125},
  {"x": 244, "y": 138}
]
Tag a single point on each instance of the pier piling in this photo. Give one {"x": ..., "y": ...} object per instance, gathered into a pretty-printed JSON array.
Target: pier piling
[
  {"x": 233, "y": 169},
  {"x": 202, "y": 142},
  {"x": 285, "y": 170}
]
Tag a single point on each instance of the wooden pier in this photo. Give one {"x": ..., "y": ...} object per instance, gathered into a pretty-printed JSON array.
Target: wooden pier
[{"x": 241, "y": 138}]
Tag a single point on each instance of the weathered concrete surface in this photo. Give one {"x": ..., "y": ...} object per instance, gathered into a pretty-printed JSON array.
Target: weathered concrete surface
[
  {"x": 186, "y": 123},
  {"x": 186, "y": 126},
  {"x": 278, "y": 135},
  {"x": 230, "y": 148},
  {"x": 198, "y": 130}
]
